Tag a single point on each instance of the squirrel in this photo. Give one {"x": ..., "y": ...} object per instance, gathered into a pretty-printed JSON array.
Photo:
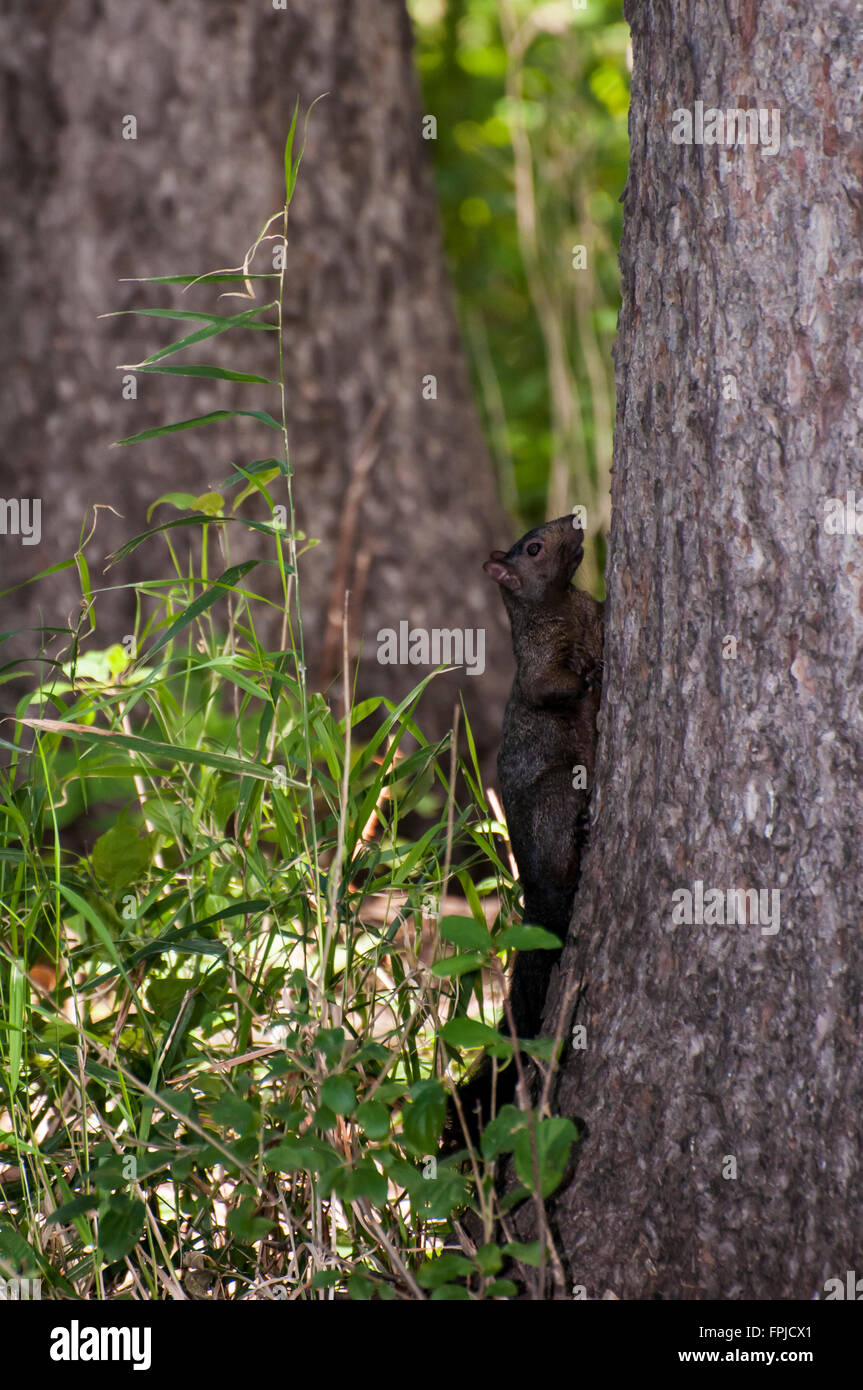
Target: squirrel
[{"x": 545, "y": 764}]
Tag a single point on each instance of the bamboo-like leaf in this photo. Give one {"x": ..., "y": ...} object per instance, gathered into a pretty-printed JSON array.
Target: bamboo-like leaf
[
  {"x": 137, "y": 743},
  {"x": 226, "y": 581},
  {"x": 179, "y": 939},
  {"x": 290, "y": 176},
  {"x": 195, "y": 423},
  {"x": 292, "y": 168},
  {"x": 208, "y": 276},
  {"x": 219, "y": 373},
  {"x": 215, "y": 325},
  {"x": 199, "y": 316},
  {"x": 251, "y": 469},
  {"x": 17, "y": 992},
  {"x": 199, "y": 519},
  {"x": 43, "y": 574}
]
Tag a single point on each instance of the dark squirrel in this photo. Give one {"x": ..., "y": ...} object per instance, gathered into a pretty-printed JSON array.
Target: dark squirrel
[{"x": 549, "y": 733}]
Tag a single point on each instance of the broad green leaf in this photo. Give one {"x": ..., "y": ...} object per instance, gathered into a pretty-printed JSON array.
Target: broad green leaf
[
  {"x": 364, "y": 1180},
  {"x": 554, "y": 1140},
  {"x": 210, "y": 503},
  {"x": 529, "y": 1254},
  {"x": 444, "y": 1269},
  {"x": 180, "y": 500},
  {"x": 489, "y": 1258},
  {"x": 121, "y": 856},
  {"x": 468, "y": 1032},
  {"x": 456, "y": 965},
  {"x": 423, "y": 1116},
  {"x": 500, "y": 1134},
  {"x": 527, "y": 938},
  {"x": 337, "y": 1093},
  {"x": 374, "y": 1119},
  {"x": 120, "y": 1226},
  {"x": 86, "y": 1201},
  {"x": 465, "y": 931}
]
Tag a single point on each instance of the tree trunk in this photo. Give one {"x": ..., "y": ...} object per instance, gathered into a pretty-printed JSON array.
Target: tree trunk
[
  {"x": 721, "y": 1081},
  {"x": 398, "y": 486}
]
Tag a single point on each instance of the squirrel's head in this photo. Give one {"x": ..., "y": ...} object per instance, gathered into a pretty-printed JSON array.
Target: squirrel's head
[{"x": 540, "y": 565}]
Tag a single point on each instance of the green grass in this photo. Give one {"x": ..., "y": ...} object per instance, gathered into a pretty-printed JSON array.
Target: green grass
[{"x": 233, "y": 985}]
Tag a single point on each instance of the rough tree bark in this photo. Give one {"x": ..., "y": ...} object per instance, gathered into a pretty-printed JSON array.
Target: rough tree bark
[
  {"x": 212, "y": 84},
  {"x": 721, "y": 1080}
]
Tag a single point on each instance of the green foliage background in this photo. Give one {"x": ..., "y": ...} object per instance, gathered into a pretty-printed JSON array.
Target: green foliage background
[{"x": 555, "y": 77}]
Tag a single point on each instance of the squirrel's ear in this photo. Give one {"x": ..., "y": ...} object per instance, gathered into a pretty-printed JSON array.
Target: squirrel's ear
[{"x": 502, "y": 574}]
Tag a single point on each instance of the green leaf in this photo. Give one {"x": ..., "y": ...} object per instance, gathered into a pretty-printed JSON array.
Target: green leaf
[
  {"x": 530, "y": 1254},
  {"x": 120, "y": 1226},
  {"x": 234, "y": 1113},
  {"x": 215, "y": 325},
  {"x": 502, "y": 1288},
  {"x": 19, "y": 1251},
  {"x": 227, "y": 580},
  {"x": 209, "y": 276},
  {"x": 464, "y": 931},
  {"x": 121, "y": 856},
  {"x": 500, "y": 1134},
  {"x": 180, "y": 500},
  {"x": 489, "y": 1258},
  {"x": 527, "y": 938},
  {"x": 174, "y": 753},
  {"x": 469, "y": 1032},
  {"x": 374, "y": 1119},
  {"x": 364, "y": 1180},
  {"x": 210, "y": 503},
  {"x": 292, "y": 167},
  {"x": 195, "y": 423},
  {"x": 456, "y": 965},
  {"x": 200, "y": 370},
  {"x": 423, "y": 1116},
  {"x": 258, "y": 484},
  {"x": 87, "y": 1201},
  {"x": 197, "y": 520},
  {"x": 242, "y": 1222},
  {"x": 290, "y": 175},
  {"x": 443, "y": 1269},
  {"x": 338, "y": 1094},
  {"x": 17, "y": 996},
  {"x": 330, "y": 1043},
  {"x": 554, "y": 1140}
]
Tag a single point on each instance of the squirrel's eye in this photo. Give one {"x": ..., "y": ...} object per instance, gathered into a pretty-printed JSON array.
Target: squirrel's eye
[{"x": 534, "y": 548}]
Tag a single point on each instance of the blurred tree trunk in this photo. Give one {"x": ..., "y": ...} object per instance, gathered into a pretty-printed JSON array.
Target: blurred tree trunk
[
  {"x": 721, "y": 1080},
  {"x": 398, "y": 486}
]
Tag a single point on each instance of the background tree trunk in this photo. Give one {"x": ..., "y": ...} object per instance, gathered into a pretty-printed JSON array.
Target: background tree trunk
[
  {"x": 707, "y": 1044},
  {"x": 212, "y": 84}
]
